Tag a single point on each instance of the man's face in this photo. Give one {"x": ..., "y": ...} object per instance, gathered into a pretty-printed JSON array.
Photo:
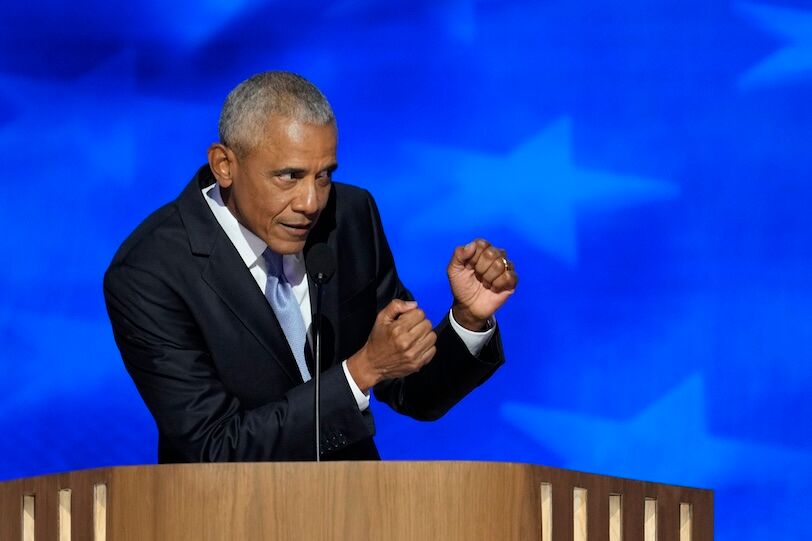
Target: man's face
[{"x": 279, "y": 189}]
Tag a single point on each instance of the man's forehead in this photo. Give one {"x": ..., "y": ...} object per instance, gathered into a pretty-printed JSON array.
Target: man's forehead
[
  {"x": 293, "y": 126},
  {"x": 294, "y": 135}
]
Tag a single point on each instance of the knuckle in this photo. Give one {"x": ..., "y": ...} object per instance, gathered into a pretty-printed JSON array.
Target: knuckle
[{"x": 402, "y": 343}]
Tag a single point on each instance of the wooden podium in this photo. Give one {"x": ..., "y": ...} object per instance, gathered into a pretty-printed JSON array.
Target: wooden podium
[{"x": 413, "y": 501}]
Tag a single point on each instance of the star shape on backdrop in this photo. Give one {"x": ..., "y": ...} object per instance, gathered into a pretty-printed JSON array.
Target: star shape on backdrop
[
  {"x": 537, "y": 190},
  {"x": 666, "y": 442},
  {"x": 794, "y": 60}
]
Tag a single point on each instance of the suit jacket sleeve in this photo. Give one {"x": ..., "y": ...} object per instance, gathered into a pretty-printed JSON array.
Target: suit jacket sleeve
[
  {"x": 452, "y": 374},
  {"x": 203, "y": 421}
]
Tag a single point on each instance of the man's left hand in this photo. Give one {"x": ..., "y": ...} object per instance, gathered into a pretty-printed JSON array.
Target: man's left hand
[{"x": 482, "y": 278}]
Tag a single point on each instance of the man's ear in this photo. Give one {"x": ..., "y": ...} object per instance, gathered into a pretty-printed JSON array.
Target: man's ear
[{"x": 222, "y": 162}]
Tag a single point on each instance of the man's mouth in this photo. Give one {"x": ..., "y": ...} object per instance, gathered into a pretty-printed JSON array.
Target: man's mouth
[{"x": 297, "y": 229}]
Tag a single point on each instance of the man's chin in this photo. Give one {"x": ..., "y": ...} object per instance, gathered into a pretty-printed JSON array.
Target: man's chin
[{"x": 287, "y": 246}]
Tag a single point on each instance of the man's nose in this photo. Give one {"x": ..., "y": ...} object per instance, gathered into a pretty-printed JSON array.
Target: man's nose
[{"x": 306, "y": 199}]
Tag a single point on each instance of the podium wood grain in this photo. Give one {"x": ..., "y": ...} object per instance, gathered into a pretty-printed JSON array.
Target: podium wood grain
[{"x": 342, "y": 501}]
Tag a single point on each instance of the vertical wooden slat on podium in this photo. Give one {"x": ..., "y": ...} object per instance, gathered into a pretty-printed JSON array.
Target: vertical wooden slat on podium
[
  {"x": 41, "y": 489},
  {"x": 100, "y": 512},
  {"x": 616, "y": 487},
  {"x": 546, "y": 511},
  {"x": 685, "y": 522},
  {"x": 615, "y": 517},
  {"x": 28, "y": 517},
  {"x": 64, "y": 515},
  {"x": 580, "y": 497},
  {"x": 650, "y": 512}
]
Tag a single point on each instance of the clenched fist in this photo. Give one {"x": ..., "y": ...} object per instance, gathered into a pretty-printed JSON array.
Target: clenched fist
[
  {"x": 482, "y": 278},
  {"x": 401, "y": 342}
]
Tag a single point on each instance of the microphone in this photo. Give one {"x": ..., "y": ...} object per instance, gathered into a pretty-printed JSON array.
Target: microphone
[{"x": 320, "y": 265}]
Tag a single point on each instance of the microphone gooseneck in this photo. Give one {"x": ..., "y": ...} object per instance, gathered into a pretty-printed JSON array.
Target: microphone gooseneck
[{"x": 321, "y": 265}]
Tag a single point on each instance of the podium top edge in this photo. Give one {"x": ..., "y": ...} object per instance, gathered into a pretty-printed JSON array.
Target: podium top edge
[{"x": 107, "y": 471}]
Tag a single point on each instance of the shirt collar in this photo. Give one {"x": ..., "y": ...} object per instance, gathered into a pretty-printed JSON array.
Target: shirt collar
[{"x": 249, "y": 246}]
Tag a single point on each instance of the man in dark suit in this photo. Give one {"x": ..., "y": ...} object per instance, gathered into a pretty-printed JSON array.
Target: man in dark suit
[{"x": 210, "y": 302}]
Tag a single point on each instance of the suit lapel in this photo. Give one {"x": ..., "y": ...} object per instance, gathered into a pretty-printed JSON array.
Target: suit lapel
[{"x": 227, "y": 275}]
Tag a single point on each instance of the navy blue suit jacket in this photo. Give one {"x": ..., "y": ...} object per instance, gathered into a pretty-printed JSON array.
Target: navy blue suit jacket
[{"x": 212, "y": 364}]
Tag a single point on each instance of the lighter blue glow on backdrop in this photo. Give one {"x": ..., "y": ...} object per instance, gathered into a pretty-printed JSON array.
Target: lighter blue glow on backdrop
[{"x": 646, "y": 164}]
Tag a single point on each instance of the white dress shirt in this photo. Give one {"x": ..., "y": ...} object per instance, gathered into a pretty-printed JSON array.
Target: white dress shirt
[{"x": 251, "y": 247}]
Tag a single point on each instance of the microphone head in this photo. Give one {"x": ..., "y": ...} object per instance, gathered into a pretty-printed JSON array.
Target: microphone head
[{"x": 320, "y": 263}]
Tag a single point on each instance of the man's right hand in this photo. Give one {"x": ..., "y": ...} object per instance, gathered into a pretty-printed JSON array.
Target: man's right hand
[{"x": 401, "y": 342}]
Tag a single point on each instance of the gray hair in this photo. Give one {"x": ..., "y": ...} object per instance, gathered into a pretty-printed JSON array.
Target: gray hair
[{"x": 247, "y": 107}]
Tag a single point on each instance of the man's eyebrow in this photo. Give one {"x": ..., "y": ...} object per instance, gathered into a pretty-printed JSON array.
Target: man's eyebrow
[
  {"x": 288, "y": 171},
  {"x": 294, "y": 171}
]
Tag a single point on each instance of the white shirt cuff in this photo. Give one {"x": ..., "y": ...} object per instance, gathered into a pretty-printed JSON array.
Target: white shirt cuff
[
  {"x": 474, "y": 341},
  {"x": 361, "y": 398}
]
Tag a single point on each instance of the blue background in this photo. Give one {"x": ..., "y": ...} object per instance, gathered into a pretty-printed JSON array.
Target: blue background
[{"x": 645, "y": 162}]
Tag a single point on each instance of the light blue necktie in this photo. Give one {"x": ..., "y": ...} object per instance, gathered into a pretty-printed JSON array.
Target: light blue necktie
[{"x": 280, "y": 295}]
